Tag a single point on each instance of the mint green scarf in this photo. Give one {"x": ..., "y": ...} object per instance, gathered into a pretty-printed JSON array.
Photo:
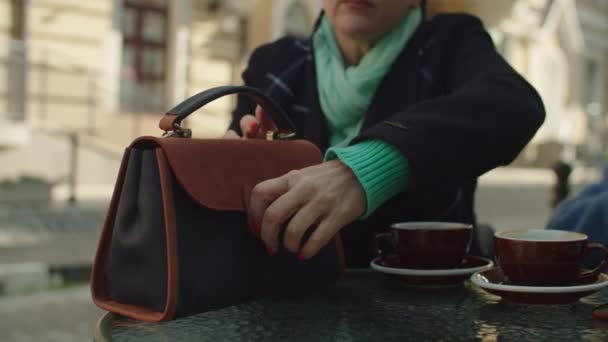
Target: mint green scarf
[{"x": 345, "y": 92}]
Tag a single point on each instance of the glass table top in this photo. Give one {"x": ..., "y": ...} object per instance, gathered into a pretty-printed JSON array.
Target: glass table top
[{"x": 370, "y": 306}]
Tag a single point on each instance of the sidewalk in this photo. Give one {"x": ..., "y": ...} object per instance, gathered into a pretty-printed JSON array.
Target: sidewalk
[
  {"x": 49, "y": 228},
  {"x": 519, "y": 198},
  {"x": 47, "y": 242},
  {"x": 63, "y": 315},
  {"x": 536, "y": 176}
]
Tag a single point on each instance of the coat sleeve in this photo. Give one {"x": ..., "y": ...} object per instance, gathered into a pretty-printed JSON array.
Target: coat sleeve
[{"x": 486, "y": 117}]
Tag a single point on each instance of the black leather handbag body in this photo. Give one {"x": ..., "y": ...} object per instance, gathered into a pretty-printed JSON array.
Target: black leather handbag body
[{"x": 175, "y": 240}]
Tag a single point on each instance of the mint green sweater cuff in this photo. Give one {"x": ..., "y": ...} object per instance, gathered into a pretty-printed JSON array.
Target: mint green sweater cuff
[{"x": 379, "y": 167}]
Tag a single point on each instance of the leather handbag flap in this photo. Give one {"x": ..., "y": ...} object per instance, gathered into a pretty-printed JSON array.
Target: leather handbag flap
[{"x": 216, "y": 173}]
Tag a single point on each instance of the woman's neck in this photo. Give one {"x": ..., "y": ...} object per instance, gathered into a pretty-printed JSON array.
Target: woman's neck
[{"x": 352, "y": 50}]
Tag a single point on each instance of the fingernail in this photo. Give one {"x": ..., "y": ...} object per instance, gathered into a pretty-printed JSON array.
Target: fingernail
[
  {"x": 253, "y": 126},
  {"x": 301, "y": 256},
  {"x": 270, "y": 251},
  {"x": 257, "y": 228}
]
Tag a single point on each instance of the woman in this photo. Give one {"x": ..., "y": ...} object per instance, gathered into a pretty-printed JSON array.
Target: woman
[{"x": 409, "y": 113}]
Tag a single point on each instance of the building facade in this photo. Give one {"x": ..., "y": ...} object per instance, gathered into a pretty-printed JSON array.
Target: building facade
[{"x": 83, "y": 62}]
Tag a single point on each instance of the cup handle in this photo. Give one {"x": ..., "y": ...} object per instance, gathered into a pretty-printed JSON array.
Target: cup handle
[
  {"x": 592, "y": 274},
  {"x": 382, "y": 240}
]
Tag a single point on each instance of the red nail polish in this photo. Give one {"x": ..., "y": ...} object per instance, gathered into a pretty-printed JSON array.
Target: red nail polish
[
  {"x": 270, "y": 251},
  {"x": 257, "y": 228},
  {"x": 253, "y": 126},
  {"x": 301, "y": 256}
]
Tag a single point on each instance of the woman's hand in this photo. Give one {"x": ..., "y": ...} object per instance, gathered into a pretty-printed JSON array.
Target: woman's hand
[
  {"x": 253, "y": 127},
  {"x": 327, "y": 196}
]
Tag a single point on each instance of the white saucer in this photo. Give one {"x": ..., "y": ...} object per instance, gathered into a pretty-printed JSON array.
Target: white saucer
[
  {"x": 471, "y": 265},
  {"x": 493, "y": 282},
  {"x": 434, "y": 277}
]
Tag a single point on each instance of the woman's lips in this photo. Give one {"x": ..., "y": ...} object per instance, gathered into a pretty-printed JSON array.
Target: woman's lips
[{"x": 357, "y": 3}]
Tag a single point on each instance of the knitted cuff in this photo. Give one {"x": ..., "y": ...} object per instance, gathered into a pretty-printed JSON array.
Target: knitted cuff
[{"x": 379, "y": 167}]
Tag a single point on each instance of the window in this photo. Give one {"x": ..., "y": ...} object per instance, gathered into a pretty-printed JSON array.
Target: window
[
  {"x": 17, "y": 19},
  {"x": 144, "y": 27},
  {"x": 592, "y": 80},
  {"x": 593, "y": 109},
  {"x": 14, "y": 67}
]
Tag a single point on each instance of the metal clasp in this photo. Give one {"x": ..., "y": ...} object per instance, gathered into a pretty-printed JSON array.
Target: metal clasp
[
  {"x": 272, "y": 135},
  {"x": 178, "y": 132}
]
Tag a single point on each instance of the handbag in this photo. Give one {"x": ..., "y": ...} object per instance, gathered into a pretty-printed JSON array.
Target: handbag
[{"x": 175, "y": 240}]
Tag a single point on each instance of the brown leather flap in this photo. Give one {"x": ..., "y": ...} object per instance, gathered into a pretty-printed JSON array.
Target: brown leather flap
[{"x": 215, "y": 172}]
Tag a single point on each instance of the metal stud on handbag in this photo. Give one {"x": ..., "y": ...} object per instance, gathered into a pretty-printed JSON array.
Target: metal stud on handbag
[{"x": 175, "y": 240}]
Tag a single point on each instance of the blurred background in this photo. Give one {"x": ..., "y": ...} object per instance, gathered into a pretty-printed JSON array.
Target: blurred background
[{"x": 80, "y": 79}]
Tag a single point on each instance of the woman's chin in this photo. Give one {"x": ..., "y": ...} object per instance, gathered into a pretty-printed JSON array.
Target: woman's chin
[{"x": 357, "y": 29}]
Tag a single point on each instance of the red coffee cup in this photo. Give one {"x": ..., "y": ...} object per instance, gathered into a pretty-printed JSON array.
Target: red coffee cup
[
  {"x": 540, "y": 257},
  {"x": 427, "y": 245}
]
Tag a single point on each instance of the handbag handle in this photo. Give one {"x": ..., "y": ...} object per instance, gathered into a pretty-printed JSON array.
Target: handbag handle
[{"x": 171, "y": 121}]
